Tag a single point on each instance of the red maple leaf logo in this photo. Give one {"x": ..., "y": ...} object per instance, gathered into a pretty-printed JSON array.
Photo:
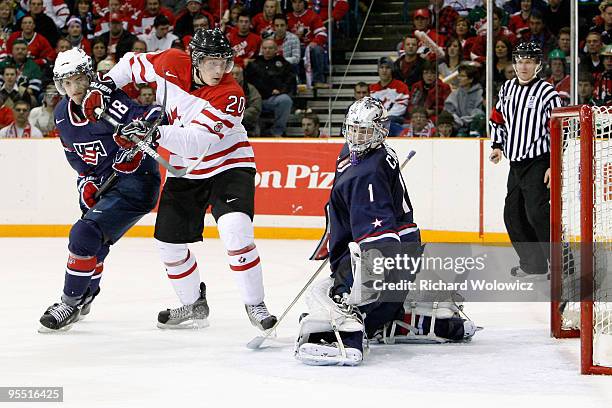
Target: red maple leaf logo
[{"x": 174, "y": 116}]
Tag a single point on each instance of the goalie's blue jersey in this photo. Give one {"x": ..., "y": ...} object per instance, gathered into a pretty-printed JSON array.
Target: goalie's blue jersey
[
  {"x": 368, "y": 202},
  {"x": 89, "y": 147}
]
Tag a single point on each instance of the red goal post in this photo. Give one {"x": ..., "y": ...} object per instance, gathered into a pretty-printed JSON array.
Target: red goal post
[{"x": 581, "y": 232}]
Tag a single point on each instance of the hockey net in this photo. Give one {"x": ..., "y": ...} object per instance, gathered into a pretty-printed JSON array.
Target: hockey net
[{"x": 581, "y": 232}]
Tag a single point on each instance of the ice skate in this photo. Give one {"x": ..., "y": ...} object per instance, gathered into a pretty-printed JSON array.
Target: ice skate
[
  {"x": 260, "y": 317},
  {"x": 194, "y": 316},
  {"x": 87, "y": 305},
  {"x": 58, "y": 317},
  {"x": 518, "y": 272},
  {"x": 325, "y": 354}
]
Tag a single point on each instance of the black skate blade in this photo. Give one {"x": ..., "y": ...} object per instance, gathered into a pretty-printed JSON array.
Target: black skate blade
[{"x": 190, "y": 325}]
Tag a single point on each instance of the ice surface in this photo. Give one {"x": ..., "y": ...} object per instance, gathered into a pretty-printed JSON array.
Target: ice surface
[{"x": 118, "y": 358}]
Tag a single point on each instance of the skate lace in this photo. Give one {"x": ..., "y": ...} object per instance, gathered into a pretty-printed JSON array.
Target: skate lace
[
  {"x": 181, "y": 312},
  {"x": 61, "y": 311},
  {"x": 259, "y": 312}
]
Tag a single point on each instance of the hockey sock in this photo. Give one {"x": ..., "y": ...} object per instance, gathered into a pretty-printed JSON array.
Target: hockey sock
[
  {"x": 182, "y": 270},
  {"x": 79, "y": 271},
  {"x": 94, "y": 284},
  {"x": 247, "y": 267}
]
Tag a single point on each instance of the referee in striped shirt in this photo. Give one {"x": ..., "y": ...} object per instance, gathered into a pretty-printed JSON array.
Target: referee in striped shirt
[{"x": 520, "y": 129}]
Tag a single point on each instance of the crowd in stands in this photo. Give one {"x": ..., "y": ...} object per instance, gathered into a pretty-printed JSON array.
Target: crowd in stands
[{"x": 431, "y": 86}]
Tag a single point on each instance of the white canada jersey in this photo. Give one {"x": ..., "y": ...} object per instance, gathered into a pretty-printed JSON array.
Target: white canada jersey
[{"x": 205, "y": 120}]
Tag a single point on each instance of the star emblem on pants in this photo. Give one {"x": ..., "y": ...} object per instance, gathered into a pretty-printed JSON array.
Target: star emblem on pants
[{"x": 377, "y": 223}]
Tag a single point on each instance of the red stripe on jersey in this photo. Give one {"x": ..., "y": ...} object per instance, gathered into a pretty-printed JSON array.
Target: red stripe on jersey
[
  {"x": 132, "y": 60},
  {"x": 241, "y": 251},
  {"x": 187, "y": 273},
  {"x": 142, "y": 70},
  {"x": 245, "y": 267},
  {"x": 375, "y": 234},
  {"x": 225, "y": 163},
  {"x": 80, "y": 264},
  {"x": 406, "y": 227},
  {"x": 213, "y": 117},
  {"x": 222, "y": 153},
  {"x": 208, "y": 128}
]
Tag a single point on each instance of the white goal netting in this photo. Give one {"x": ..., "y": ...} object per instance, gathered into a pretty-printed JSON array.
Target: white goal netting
[{"x": 573, "y": 234}]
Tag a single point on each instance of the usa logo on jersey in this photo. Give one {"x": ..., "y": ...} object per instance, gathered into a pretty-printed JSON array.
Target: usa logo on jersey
[{"x": 90, "y": 151}]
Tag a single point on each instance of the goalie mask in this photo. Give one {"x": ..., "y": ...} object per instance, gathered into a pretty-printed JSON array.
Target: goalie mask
[
  {"x": 210, "y": 44},
  {"x": 365, "y": 127},
  {"x": 527, "y": 50},
  {"x": 69, "y": 63}
]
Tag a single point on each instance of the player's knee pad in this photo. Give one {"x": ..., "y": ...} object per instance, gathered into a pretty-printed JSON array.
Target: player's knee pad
[
  {"x": 171, "y": 254},
  {"x": 85, "y": 238},
  {"x": 235, "y": 230}
]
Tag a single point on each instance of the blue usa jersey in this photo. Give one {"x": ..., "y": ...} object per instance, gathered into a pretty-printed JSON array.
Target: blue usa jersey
[
  {"x": 368, "y": 202},
  {"x": 89, "y": 147}
]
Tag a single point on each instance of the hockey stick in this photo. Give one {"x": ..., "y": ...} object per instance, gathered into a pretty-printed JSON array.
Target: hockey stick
[{"x": 256, "y": 342}]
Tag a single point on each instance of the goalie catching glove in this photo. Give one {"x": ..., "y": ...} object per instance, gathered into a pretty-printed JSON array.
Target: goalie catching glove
[
  {"x": 98, "y": 95},
  {"x": 125, "y": 135}
]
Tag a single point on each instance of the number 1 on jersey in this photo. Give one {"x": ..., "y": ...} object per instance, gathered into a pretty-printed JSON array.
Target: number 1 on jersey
[{"x": 371, "y": 190}]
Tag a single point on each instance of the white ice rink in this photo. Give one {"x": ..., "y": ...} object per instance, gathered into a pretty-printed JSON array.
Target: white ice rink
[{"x": 118, "y": 358}]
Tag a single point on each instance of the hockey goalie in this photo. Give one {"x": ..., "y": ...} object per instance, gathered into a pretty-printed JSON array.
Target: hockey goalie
[{"x": 369, "y": 207}]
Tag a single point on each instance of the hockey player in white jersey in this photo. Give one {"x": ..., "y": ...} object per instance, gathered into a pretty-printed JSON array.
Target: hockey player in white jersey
[
  {"x": 204, "y": 107},
  {"x": 369, "y": 206}
]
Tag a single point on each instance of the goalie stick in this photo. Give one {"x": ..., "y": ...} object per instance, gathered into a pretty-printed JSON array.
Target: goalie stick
[{"x": 257, "y": 341}]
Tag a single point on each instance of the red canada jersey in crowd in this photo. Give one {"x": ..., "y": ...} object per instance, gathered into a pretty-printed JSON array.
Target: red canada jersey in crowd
[
  {"x": 245, "y": 47},
  {"x": 394, "y": 96},
  {"x": 143, "y": 23},
  {"x": 517, "y": 24},
  {"x": 562, "y": 87},
  {"x": 38, "y": 47},
  {"x": 321, "y": 7},
  {"x": 308, "y": 26},
  {"x": 261, "y": 25},
  {"x": 129, "y": 8},
  {"x": 57, "y": 10},
  {"x": 206, "y": 120}
]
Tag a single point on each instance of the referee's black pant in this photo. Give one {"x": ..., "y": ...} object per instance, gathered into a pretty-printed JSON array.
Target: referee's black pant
[{"x": 527, "y": 213}]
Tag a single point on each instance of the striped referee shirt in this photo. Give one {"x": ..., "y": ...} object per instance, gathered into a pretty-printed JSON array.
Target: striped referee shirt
[{"x": 519, "y": 122}]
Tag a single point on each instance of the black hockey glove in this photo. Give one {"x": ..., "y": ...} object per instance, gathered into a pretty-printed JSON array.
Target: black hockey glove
[
  {"x": 98, "y": 95},
  {"x": 125, "y": 135}
]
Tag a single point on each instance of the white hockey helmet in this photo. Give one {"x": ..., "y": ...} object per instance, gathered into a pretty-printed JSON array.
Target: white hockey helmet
[
  {"x": 71, "y": 62},
  {"x": 365, "y": 127}
]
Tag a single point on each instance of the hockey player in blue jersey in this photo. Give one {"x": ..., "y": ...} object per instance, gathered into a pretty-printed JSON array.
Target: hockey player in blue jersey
[
  {"x": 91, "y": 150},
  {"x": 368, "y": 205}
]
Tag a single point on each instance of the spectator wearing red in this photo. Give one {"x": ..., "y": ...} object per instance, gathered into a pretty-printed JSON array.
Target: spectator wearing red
[
  {"x": 113, "y": 10},
  {"x": 263, "y": 23},
  {"x": 244, "y": 43},
  {"x": 429, "y": 93},
  {"x": 442, "y": 17},
  {"x": 128, "y": 8},
  {"x": 21, "y": 128},
  {"x": 478, "y": 52},
  {"x": 217, "y": 9},
  {"x": 519, "y": 21},
  {"x": 308, "y": 26},
  {"x": 602, "y": 93},
  {"x": 144, "y": 21},
  {"x": 184, "y": 21},
  {"x": 44, "y": 24},
  {"x": 392, "y": 93},
  {"x": 229, "y": 20},
  {"x": 75, "y": 35},
  {"x": 422, "y": 22},
  {"x": 38, "y": 47},
  {"x": 6, "y": 114},
  {"x": 409, "y": 67},
  {"x": 321, "y": 7}
]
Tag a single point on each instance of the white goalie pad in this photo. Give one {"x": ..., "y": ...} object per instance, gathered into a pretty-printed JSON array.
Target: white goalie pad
[{"x": 324, "y": 316}]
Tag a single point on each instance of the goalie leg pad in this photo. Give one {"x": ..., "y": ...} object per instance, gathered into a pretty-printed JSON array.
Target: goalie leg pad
[{"x": 330, "y": 334}]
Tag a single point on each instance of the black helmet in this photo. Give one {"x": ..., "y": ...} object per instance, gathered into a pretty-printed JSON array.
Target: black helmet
[
  {"x": 529, "y": 49},
  {"x": 209, "y": 43}
]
